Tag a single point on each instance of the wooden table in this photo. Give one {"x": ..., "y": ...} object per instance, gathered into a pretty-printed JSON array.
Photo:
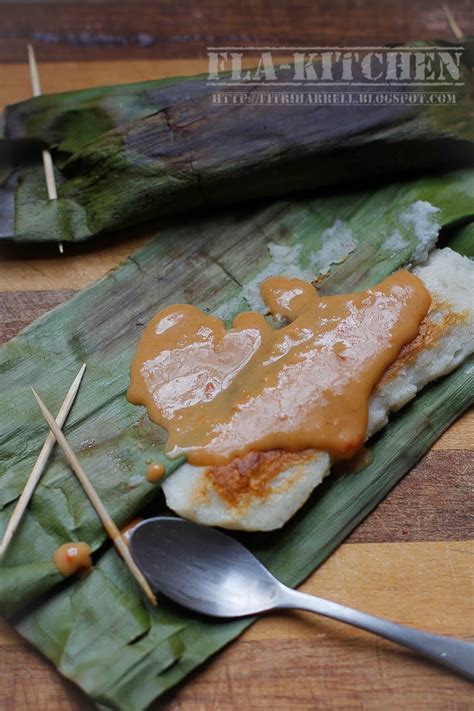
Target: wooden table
[{"x": 409, "y": 560}]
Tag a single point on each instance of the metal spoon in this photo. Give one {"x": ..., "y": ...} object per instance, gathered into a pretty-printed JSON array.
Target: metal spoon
[{"x": 209, "y": 572}]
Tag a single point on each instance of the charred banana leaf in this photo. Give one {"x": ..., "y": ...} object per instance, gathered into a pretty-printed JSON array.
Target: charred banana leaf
[{"x": 126, "y": 156}]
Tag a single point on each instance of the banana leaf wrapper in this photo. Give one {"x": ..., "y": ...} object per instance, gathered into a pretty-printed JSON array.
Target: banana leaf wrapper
[
  {"x": 129, "y": 155},
  {"x": 68, "y": 121},
  {"x": 99, "y": 631}
]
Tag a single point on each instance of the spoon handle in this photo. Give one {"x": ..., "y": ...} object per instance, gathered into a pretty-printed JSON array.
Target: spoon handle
[{"x": 455, "y": 654}]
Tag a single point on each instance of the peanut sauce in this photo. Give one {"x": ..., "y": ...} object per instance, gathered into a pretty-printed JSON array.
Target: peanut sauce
[
  {"x": 154, "y": 472},
  {"x": 126, "y": 531},
  {"x": 362, "y": 459},
  {"x": 73, "y": 557},
  {"x": 223, "y": 393}
]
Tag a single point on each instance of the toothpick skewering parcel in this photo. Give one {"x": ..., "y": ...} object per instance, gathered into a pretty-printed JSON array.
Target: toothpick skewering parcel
[{"x": 47, "y": 159}]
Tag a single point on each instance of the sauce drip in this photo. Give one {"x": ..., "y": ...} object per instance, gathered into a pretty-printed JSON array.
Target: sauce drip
[
  {"x": 362, "y": 459},
  {"x": 154, "y": 472},
  {"x": 126, "y": 531},
  {"x": 73, "y": 557},
  {"x": 221, "y": 394}
]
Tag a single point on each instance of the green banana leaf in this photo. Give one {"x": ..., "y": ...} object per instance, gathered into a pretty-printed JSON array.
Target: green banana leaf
[
  {"x": 125, "y": 654},
  {"x": 99, "y": 631},
  {"x": 69, "y": 120},
  {"x": 463, "y": 240},
  {"x": 134, "y": 153}
]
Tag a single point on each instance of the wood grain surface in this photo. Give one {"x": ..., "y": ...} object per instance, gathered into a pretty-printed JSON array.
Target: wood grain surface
[
  {"x": 410, "y": 559},
  {"x": 111, "y": 29}
]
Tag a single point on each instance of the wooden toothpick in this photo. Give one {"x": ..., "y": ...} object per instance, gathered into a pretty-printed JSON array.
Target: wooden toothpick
[
  {"x": 109, "y": 525},
  {"x": 36, "y": 472},
  {"x": 47, "y": 160},
  {"x": 453, "y": 25}
]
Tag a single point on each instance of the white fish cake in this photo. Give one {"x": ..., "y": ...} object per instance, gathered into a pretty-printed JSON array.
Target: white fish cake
[
  {"x": 445, "y": 340},
  {"x": 261, "y": 492}
]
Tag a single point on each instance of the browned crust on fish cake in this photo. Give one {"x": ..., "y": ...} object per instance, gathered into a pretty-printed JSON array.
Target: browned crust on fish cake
[
  {"x": 430, "y": 332},
  {"x": 253, "y": 473}
]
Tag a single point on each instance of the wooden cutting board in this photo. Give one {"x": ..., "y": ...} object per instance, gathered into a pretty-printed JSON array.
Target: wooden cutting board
[{"x": 409, "y": 561}]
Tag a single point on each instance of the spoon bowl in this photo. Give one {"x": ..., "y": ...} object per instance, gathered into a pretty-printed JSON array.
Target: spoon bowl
[{"x": 202, "y": 569}]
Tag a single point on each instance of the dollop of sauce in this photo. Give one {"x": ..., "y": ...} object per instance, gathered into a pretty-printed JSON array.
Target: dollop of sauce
[
  {"x": 73, "y": 557},
  {"x": 222, "y": 393},
  {"x": 154, "y": 472},
  {"x": 362, "y": 459},
  {"x": 126, "y": 531}
]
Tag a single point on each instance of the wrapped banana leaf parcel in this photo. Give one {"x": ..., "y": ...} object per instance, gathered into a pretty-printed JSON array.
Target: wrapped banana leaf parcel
[
  {"x": 130, "y": 154},
  {"x": 99, "y": 630}
]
